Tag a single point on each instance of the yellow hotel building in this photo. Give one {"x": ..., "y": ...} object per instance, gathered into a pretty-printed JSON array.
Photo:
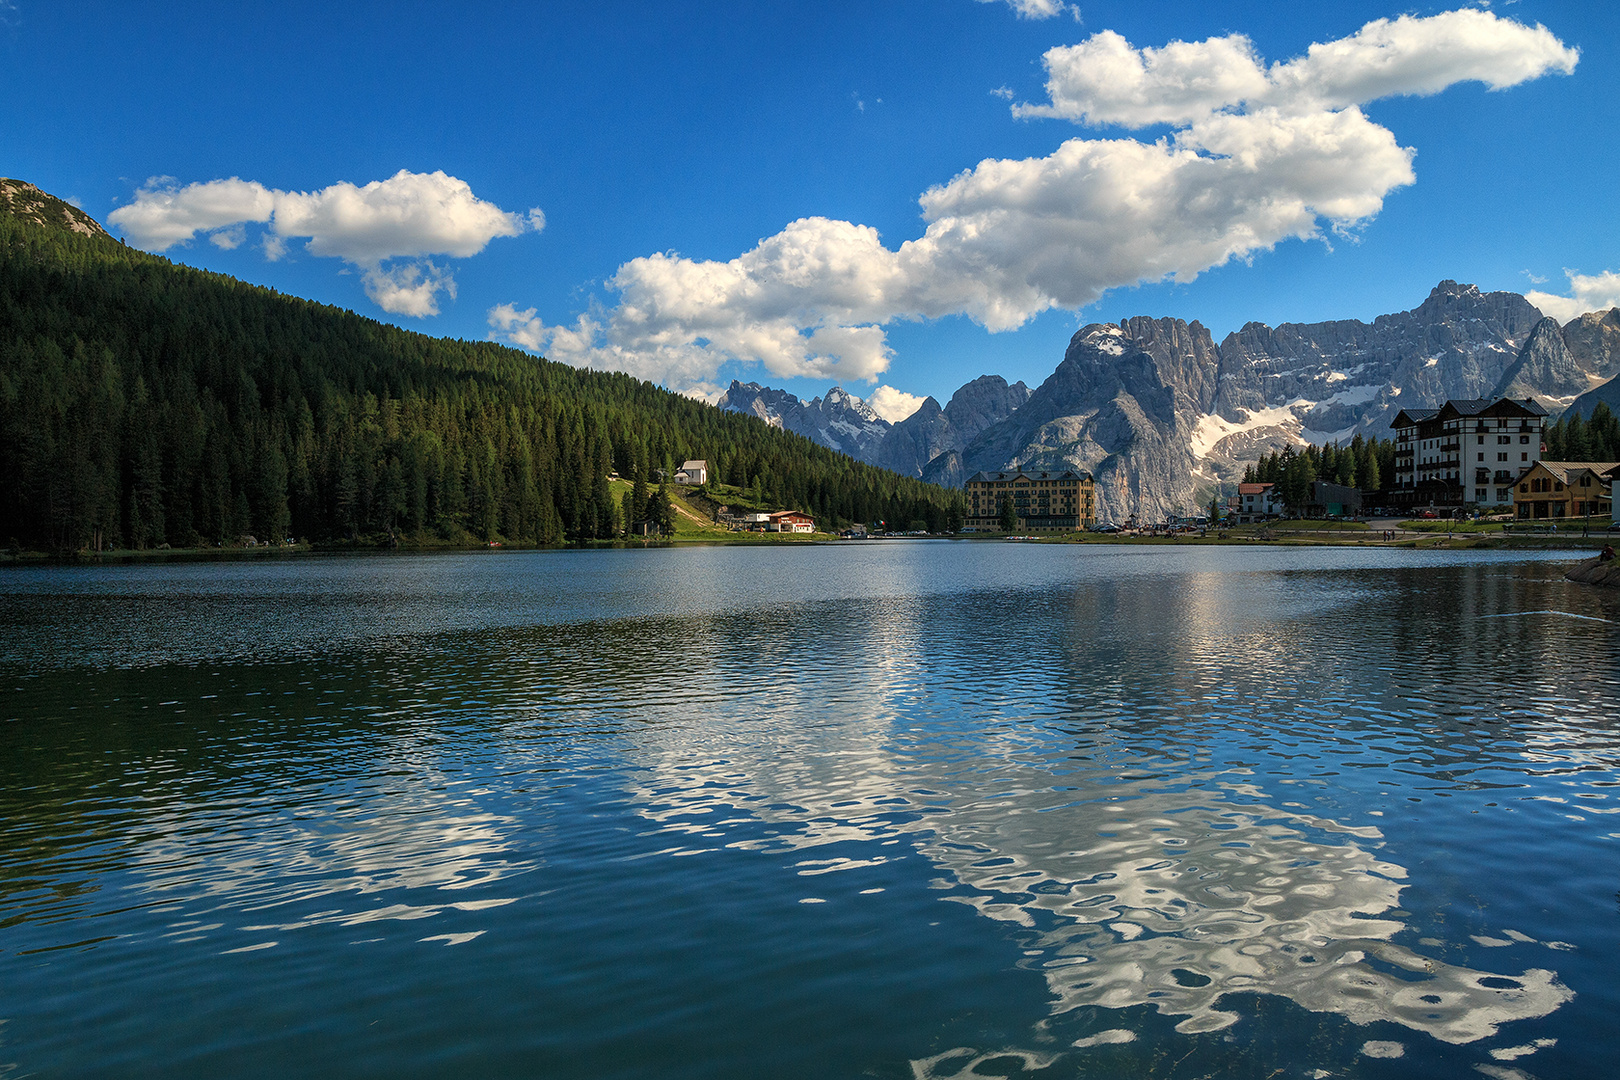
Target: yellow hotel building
[
  {"x": 1552, "y": 490},
  {"x": 1044, "y": 501}
]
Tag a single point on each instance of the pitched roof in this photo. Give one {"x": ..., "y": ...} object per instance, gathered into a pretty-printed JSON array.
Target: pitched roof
[
  {"x": 1014, "y": 474},
  {"x": 1563, "y": 470},
  {"x": 1457, "y": 407},
  {"x": 1252, "y": 489},
  {"x": 1413, "y": 416},
  {"x": 1494, "y": 406}
]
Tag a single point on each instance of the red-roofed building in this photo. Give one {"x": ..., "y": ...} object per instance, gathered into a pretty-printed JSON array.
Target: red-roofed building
[
  {"x": 1257, "y": 502},
  {"x": 790, "y": 521}
]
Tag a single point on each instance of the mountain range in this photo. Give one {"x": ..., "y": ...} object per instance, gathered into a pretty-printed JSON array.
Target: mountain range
[{"x": 1162, "y": 415}]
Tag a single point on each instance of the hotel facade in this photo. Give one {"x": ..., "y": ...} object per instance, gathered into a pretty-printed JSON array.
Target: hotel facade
[
  {"x": 1043, "y": 501},
  {"x": 1465, "y": 452}
]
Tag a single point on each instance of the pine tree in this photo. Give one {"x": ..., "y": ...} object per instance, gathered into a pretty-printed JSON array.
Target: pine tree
[{"x": 662, "y": 510}]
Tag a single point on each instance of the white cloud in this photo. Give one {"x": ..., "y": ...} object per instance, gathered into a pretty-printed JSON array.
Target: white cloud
[
  {"x": 410, "y": 289},
  {"x": 705, "y": 392},
  {"x": 228, "y": 238},
  {"x": 1422, "y": 56},
  {"x": 894, "y": 405},
  {"x": 164, "y": 214},
  {"x": 1590, "y": 292},
  {"x": 1039, "y": 9},
  {"x": 408, "y": 216},
  {"x": 1105, "y": 80},
  {"x": 1009, "y": 239}
]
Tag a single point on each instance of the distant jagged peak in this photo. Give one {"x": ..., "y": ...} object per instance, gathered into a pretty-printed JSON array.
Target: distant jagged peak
[
  {"x": 1450, "y": 295},
  {"x": 1102, "y": 337},
  {"x": 25, "y": 202},
  {"x": 1449, "y": 288},
  {"x": 842, "y": 400}
]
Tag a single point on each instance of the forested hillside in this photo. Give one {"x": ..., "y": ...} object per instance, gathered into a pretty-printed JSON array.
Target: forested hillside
[{"x": 144, "y": 403}]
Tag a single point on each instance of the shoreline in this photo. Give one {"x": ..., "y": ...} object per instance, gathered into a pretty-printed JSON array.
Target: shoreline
[{"x": 1405, "y": 539}]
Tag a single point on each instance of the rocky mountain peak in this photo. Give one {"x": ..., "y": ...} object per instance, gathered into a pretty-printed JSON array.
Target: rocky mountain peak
[
  {"x": 25, "y": 202},
  {"x": 1595, "y": 338},
  {"x": 840, "y": 400},
  {"x": 1451, "y": 290},
  {"x": 982, "y": 402},
  {"x": 1544, "y": 368},
  {"x": 1102, "y": 337}
]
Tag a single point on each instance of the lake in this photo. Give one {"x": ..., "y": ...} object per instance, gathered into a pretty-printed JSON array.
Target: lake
[{"x": 887, "y": 809}]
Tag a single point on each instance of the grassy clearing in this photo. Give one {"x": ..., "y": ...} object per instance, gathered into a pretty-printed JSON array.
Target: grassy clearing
[
  {"x": 1308, "y": 526},
  {"x": 694, "y": 519},
  {"x": 1446, "y": 525}
]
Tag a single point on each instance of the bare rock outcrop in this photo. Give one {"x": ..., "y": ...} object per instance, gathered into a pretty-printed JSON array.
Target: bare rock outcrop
[{"x": 1597, "y": 572}]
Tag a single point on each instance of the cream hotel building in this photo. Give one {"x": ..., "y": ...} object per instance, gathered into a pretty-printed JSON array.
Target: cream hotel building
[{"x": 1044, "y": 501}]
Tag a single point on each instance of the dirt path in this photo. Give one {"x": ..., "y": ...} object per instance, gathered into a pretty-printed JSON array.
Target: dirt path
[{"x": 682, "y": 508}]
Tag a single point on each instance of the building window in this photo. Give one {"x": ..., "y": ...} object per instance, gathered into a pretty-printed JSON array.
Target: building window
[
  {"x": 1501, "y": 457},
  {"x": 1482, "y": 457},
  {"x": 1524, "y": 457},
  {"x": 1524, "y": 438}
]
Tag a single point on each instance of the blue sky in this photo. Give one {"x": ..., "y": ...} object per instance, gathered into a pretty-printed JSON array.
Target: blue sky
[{"x": 672, "y": 139}]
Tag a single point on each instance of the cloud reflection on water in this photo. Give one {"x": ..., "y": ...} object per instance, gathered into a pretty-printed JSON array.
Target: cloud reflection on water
[{"x": 1138, "y": 873}]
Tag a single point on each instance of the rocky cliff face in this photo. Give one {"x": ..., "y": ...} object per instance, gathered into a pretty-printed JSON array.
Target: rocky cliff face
[
  {"x": 915, "y": 441},
  {"x": 25, "y": 201},
  {"x": 1594, "y": 341},
  {"x": 984, "y": 401},
  {"x": 1544, "y": 368},
  {"x": 1332, "y": 380}
]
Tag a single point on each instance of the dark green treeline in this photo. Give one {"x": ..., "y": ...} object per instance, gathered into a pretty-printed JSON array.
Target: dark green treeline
[
  {"x": 1597, "y": 438},
  {"x": 1363, "y": 463},
  {"x": 144, "y": 403}
]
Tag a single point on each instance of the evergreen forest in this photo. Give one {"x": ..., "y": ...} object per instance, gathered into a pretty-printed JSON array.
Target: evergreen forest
[
  {"x": 1365, "y": 464},
  {"x": 1597, "y": 438},
  {"x": 144, "y": 403}
]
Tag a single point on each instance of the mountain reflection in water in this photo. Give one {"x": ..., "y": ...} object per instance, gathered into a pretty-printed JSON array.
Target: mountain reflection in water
[{"x": 1312, "y": 809}]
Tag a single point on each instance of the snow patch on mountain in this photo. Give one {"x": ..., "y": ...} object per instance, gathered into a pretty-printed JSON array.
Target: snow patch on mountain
[{"x": 1212, "y": 428}]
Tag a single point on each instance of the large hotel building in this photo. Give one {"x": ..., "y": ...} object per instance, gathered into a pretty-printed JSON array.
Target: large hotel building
[
  {"x": 1464, "y": 452},
  {"x": 1044, "y": 501}
]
